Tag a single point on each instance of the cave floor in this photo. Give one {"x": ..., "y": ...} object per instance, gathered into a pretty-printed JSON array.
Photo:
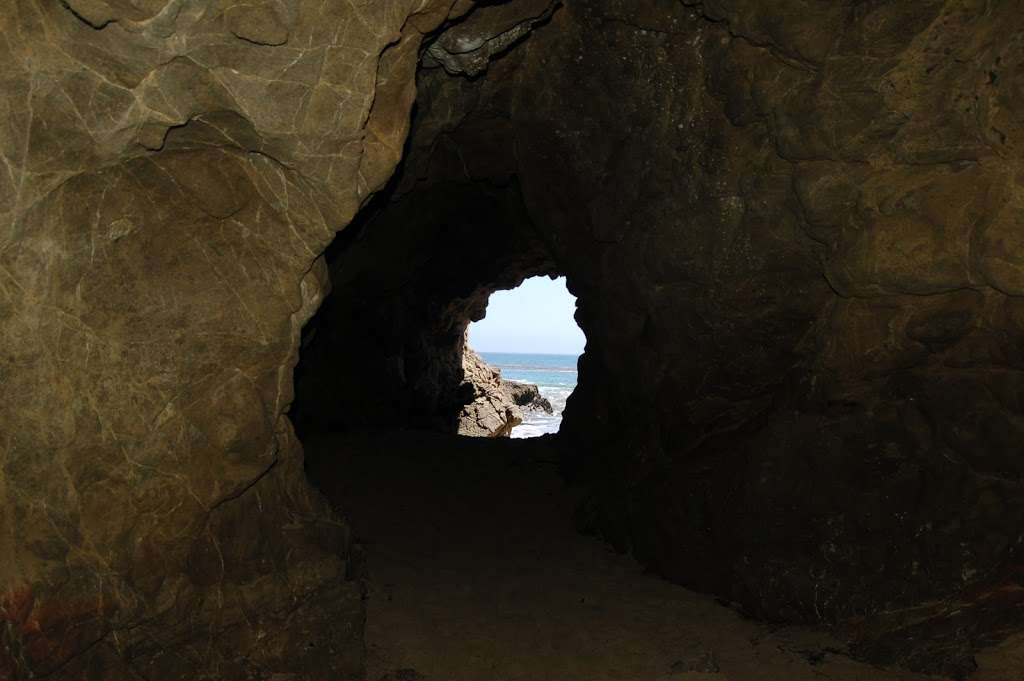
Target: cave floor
[{"x": 476, "y": 573}]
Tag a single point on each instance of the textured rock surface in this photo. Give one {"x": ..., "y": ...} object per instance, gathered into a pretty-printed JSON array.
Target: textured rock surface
[
  {"x": 468, "y": 47},
  {"x": 492, "y": 411},
  {"x": 793, "y": 305},
  {"x": 791, "y": 233},
  {"x": 794, "y": 230},
  {"x": 795, "y": 313},
  {"x": 527, "y": 396},
  {"x": 170, "y": 173}
]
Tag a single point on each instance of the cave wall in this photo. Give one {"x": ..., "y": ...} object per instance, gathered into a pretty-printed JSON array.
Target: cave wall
[
  {"x": 792, "y": 232},
  {"x": 171, "y": 172}
]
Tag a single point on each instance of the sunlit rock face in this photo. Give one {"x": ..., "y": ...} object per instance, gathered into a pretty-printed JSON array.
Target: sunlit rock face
[
  {"x": 491, "y": 412},
  {"x": 171, "y": 173}
]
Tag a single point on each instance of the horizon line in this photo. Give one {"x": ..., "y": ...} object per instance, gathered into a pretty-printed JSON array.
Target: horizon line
[{"x": 516, "y": 352}]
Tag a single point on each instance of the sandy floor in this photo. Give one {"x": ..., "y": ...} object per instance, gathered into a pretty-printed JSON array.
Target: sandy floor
[{"x": 477, "y": 574}]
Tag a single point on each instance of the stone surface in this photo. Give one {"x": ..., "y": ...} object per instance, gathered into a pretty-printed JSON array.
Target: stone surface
[
  {"x": 170, "y": 173},
  {"x": 469, "y": 46},
  {"x": 527, "y": 396},
  {"x": 791, "y": 234},
  {"x": 793, "y": 229},
  {"x": 492, "y": 411},
  {"x": 794, "y": 317}
]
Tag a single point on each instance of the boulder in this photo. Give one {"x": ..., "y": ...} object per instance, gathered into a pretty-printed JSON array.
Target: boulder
[{"x": 527, "y": 396}]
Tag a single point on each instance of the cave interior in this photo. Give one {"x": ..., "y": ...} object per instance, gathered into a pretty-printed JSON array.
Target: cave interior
[{"x": 794, "y": 232}]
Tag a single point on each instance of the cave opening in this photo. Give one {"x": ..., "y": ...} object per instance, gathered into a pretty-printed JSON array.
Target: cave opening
[
  {"x": 529, "y": 335},
  {"x": 461, "y": 524},
  {"x": 387, "y": 350}
]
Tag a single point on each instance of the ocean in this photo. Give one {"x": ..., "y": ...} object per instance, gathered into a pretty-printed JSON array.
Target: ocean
[{"x": 554, "y": 375}]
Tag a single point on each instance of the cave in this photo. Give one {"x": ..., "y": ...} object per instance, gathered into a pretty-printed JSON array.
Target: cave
[{"x": 242, "y": 438}]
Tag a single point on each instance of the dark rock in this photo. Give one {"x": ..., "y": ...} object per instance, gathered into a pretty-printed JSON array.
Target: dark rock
[
  {"x": 405, "y": 674},
  {"x": 166, "y": 193},
  {"x": 469, "y": 46},
  {"x": 527, "y": 396},
  {"x": 703, "y": 662},
  {"x": 800, "y": 390}
]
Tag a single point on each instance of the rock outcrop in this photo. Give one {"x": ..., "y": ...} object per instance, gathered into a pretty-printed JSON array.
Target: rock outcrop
[
  {"x": 527, "y": 396},
  {"x": 491, "y": 410}
]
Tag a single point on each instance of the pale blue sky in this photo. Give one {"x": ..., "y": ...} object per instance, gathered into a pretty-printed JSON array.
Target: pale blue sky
[{"x": 535, "y": 317}]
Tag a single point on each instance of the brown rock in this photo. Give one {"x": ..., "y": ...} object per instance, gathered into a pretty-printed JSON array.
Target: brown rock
[
  {"x": 793, "y": 229},
  {"x": 787, "y": 231},
  {"x": 257, "y": 22},
  {"x": 493, "y": 411},
  {"x": 166, "y": 193}
]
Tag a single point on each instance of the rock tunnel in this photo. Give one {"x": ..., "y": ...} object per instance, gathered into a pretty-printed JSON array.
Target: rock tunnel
[{"x": 238, "y": 239}]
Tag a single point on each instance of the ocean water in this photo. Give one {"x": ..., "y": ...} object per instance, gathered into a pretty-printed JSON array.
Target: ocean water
[{"x": 555, "y": 375}]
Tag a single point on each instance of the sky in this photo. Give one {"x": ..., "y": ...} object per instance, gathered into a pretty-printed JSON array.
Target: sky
[{"x": 536, "y": 317}]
